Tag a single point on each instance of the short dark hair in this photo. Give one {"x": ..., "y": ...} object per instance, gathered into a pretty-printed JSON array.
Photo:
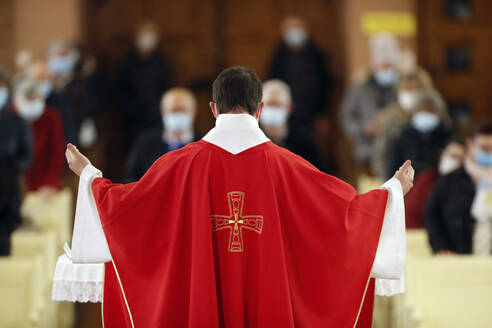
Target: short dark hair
[
  {"x": 237, "y": 87},
  {"x": 483, "y": 129}
]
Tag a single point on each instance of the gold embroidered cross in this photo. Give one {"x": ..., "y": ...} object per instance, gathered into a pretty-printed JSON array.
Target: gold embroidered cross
[{"x": 236, "y": 221}]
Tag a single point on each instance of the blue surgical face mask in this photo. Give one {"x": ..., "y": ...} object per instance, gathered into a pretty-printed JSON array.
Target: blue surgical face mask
[
  {"x": 295, "y": 37},
  {"x": 273, "y": 116},
  {"x": 61, "y": 65},
  {"x": 177, "y": 122},
  {"x": 4, "y": 97},
  {"x": 386, "y": 77},
  {"x": 425, "y": 121},
  {"x": 483, "y": 158}
]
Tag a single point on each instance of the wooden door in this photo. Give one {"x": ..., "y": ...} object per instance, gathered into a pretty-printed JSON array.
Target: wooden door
[{"x": 455, "y": 45}]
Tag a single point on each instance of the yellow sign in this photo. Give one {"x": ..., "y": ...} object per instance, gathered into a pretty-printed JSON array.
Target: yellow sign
[{"x": 397, "y": 23}]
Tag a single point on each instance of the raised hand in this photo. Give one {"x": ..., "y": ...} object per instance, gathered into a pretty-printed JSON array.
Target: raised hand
[
  {"x": 406, "y": 174},
  {"x": 76, "y": 160}
]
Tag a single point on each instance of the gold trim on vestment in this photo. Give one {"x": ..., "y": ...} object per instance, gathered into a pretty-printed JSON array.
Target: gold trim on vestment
[{"x": 123, "y": 292}]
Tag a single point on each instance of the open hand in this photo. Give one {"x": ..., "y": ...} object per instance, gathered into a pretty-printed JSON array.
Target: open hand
[
  {"x": 406, "y": 174},
  {"x": 76, "y": 160}
]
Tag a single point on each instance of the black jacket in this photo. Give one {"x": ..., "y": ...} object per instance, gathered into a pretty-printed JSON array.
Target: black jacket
[
  {"x": 15, "y": 158},
  {"x": 306, "y": 74},
  {"x": 422, "y": 149},
  {"x": 146, "y": 150},
  {"x": 448, "y": 219}
]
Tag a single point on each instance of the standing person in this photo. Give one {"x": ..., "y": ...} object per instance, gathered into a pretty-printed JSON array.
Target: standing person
[
  {"x": 46, "y": 170},
  {"x": 143, "y": 77},
  {"x": 57, "y": 100},
  {"x": 363, "y": 100},
  {"x": 235, "y": 231},
  {"x": 393, "y": 119},
  {"x": 428, "y": 133},
  {"x": 178, "y": 111},
  {"x": 300, "y": 63},
  {"x": 15, "y": 159}
]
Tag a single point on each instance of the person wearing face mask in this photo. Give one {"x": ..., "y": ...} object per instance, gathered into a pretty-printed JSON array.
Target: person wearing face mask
[
  {"x": 300, "y": 63},
  {"x": 59, "y": 101},
  {"x": 479, "y": 166},
  {"x": 458, "y": 216},
  {"x": 178, "y": 110},
  {"x": 364, "y": 99},
  {"x": 77, "y": 90},
  {"x": 15, "y": 159},
  {"x": 45, "y": 172},
  {"x": 451, "y": 159},
  {"x": 278, "y": 104},
  {"x": 391, "y": 120},
  {"x": 426, "y": 135},
  {"x": 143, "y": 76}
]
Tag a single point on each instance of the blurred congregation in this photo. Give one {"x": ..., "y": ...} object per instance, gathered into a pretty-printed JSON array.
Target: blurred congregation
[{"x": 354, "y": 87}]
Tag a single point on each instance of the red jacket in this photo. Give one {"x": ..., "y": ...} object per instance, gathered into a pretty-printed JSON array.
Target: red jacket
[
  {"x": 48, "y": 151},
  {"x": 416, "y": 200}
]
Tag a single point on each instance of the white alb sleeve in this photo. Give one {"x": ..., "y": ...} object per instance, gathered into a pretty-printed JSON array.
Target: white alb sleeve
[
  {"x": 390, "y": 256},
  {"x": 89, "y": 243}
]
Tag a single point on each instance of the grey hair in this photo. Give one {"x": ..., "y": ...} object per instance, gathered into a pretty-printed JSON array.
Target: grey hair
[
  {"x": 279, "y": 87},
  {"x": 434, "y": 100}
]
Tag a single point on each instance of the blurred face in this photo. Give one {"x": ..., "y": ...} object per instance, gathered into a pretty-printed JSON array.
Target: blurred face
[
  {"x": 425, "y": 119},
  {"x": 483, "y": 149},
  {"x": 178, "y": 111},
  {"x": 408, "y": 94},
  {"x": 275, "y": 114},
  {"x": 452, "y": 158},
  {"x": 294, "y": 32},
  {"x": 30, "y": 105},
  {"x": 385, "y": 74},
  {"x": 62, "y": 60},
  {"x": 147, "y": 38}
]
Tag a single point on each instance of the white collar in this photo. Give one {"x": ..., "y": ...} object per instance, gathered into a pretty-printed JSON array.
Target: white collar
[{"x": 236, "y": 133}]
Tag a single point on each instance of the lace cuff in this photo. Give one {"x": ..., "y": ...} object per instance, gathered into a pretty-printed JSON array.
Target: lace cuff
[{"x": 77, "y": 282}]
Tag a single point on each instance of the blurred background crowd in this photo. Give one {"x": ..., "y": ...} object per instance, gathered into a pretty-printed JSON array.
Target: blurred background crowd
[{"x": 354, "y": 87}]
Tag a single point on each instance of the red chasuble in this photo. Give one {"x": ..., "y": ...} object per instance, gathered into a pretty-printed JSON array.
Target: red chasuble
[{"x": 257, "y": 239}]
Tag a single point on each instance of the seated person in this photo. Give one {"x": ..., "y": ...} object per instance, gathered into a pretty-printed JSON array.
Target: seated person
[
  {"x": 15, "y": 158},
  {"x": 452, "y": 158},
  {"x": 46, "y": 124},
  {"x": 449, "y": 220},
  {"x": 277, "y": 107},
  {"x": 479, "y": 166},
  {"x": 425, "y": 137},
  {"x": 178, "y": 110}
]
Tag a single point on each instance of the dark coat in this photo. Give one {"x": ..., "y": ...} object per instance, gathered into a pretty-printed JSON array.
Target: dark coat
[
  {"x": 306, "y": 74},
  {"x": 141, "y": 84},
  {"x": 423, "y": 149},
  {"x": 146, "y": 150},
  {"x": 448, "y": 221},
  {"x": 15, "y": 158}
]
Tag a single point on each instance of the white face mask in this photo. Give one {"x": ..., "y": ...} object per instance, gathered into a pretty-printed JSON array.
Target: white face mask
[
  {"x": 146, "y": 41},
  {"x": 407, "y": 100},
  {"x": 177, "y": 122},
  {"x": 295, "y": 37},
  {"x": 4, "y": 96},
  {"x": 31, "y": 110},
  {"x": 386, "y": 77},
  {"x": 273, "y": 116},
  {"x": 448, "y": 164},
  {"x": 62, "y": 65},
  {"x": 425, "y": 121}
]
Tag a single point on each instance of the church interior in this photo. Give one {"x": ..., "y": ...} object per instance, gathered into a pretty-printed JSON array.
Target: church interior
[{"x": 353, "y": 86}]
